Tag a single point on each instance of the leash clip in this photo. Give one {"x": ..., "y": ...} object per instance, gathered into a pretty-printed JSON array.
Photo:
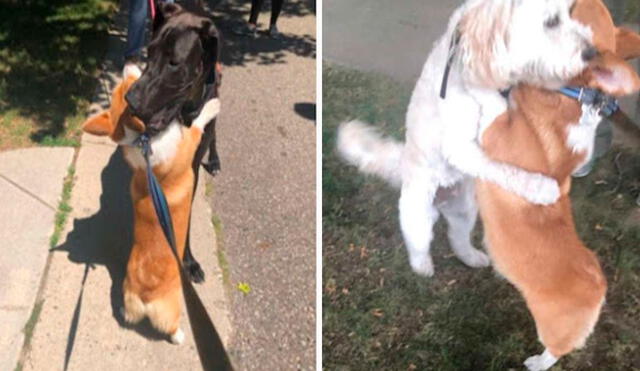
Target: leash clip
[{"x": 143, "y": 142}]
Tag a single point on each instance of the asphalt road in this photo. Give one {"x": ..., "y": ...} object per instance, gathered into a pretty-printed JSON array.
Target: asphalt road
[{"x": 265, "y": 195}]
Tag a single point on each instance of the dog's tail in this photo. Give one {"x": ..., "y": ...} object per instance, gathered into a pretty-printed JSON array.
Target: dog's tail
[{"x": 360, "y": 145}]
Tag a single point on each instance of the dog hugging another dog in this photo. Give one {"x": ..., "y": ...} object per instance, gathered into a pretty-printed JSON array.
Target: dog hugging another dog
[
  {"x": 170, "y": 101},
  {"x": 487, "y": 120}
]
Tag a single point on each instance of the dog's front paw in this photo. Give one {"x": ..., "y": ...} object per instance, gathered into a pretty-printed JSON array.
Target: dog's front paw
[
  {"x": 542, "y": 190},
  {"x": 422, "y": 266},
  {"x": 540, "y": 362},
  {"x": 194, "y": 271}
]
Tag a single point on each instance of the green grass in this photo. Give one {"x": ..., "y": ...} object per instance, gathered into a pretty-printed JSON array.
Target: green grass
[
  {"x": 28, "y": 330},
  {"x": 223, "y": 262},
  {"x": 379, "y": 315},
  {"x": 50, "y": 51},
  {"x": 64, "y": 208}
]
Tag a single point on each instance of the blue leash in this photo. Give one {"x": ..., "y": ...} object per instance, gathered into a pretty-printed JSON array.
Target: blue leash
[
  {"x": 606, "y": 104},
  {"x": 157, "y": 196},
  {"x": 213, "y": 356}
]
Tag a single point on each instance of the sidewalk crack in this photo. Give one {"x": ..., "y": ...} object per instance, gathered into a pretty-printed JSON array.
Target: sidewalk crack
[{"x": 29, "y": 193}]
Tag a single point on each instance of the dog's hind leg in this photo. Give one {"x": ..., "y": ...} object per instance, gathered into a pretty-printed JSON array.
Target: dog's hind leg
[
  {"x": 461, "y": 212},
  {"x": 417, "y": 217},
  {"x": 164, "y": 314}
]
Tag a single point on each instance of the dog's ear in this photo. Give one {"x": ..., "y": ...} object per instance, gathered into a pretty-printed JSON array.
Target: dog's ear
[
  {"x": 481, "y": 33},
  {"x": 613, "y": 75},
  {"x": 211, "y": 43},
  {"x": 627, "y": 43},
  {"x": 99, "y": 124},
  {"x": 208, "y": 30},
  {"x": 165, "y": 11}
]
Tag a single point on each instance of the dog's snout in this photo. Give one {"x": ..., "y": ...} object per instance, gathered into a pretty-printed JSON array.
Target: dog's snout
[
  {"x": 589, "y": 53},
  {"x": 133, "y": 100}
]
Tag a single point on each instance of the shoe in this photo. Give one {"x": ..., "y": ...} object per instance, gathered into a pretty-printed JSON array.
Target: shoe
[
  {"x": 245, "y": 29},
  {"x": 584, "y": 170},
  {"x": 274, "y": 33},
  {"x": 134, "y": 60}
]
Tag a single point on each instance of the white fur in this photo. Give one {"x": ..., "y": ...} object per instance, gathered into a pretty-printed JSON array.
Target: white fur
[
  {"x": 503, "y": 42},
  {"x": 131, "y": 69},
  {"x": 177, "y": 337},
  {"x": 540, "y": 362},
  {"x": 581, "y": 136},
  {"x": 209, "y": 111},
  {"x": 165, "y": 144}
]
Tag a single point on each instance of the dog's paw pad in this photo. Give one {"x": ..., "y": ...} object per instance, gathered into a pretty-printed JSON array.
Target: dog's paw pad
[{"x": 177, "y": 337}]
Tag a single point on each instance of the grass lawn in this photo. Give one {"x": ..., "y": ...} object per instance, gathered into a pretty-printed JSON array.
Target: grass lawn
[
  {"x": 378, "y": 315},
  {"x": 50, "y": 51}
]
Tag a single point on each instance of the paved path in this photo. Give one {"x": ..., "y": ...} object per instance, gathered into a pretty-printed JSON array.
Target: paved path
[
  {"x": 80, "y": 326},
  {"x": 394, "y": 38},
  {"x": 265, "y": 194},
  {"x": 30, "y": 187},
  {"x": 390, "y": 37}
]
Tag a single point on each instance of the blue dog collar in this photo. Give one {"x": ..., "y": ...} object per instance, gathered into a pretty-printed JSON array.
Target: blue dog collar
[{"x": 605, "y": 104}]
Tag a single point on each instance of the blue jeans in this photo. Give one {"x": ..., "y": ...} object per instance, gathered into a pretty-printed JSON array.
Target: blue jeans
[{"x": 138, "y": 11}]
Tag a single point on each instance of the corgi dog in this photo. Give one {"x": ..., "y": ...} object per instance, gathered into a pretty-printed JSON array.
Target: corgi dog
[
  {"x": 536, "y": 247},
  {"x": 152, "y": 285}
]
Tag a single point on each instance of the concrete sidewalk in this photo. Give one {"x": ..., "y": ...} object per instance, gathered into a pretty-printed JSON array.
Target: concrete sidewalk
[
  {"x": 30, "y": 187},
  {"x": 79, "y": 326}
]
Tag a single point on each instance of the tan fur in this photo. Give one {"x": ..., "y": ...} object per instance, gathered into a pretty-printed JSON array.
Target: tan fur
[
  {"x": 537, "y": 247},
  {"x": 152, "y": 284}
]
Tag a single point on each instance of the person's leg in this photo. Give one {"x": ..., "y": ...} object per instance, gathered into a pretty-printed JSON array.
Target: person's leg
[
  {"x": 138, "y": 10},
  {"x": 249, "y": 29},
  {"x": 276, "y": 7},
  {"x": 256, "y": 5}
]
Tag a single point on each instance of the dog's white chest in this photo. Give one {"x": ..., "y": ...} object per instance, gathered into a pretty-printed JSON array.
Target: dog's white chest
[{"x": 163, "y": 147}]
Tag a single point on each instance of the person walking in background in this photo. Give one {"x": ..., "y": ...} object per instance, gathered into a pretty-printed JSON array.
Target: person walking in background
[
  {"x": 249, "y": 29},
  {"x": 136, "y": 29},
  {"x": 138, "y": 10}
]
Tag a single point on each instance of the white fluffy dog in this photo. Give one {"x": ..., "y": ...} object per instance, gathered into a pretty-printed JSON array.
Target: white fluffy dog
[{"x": 499, "y": 44}]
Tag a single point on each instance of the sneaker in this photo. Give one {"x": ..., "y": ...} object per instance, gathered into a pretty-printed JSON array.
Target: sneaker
[
  {"x": 274, "y": 33},
  {"x": 584, "y": 170},
  {"x": 245, "y": 29},
  {"x": 133, "y": 60}
]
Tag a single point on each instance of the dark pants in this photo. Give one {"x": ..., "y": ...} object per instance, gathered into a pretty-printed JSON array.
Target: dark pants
[
  {"x": 256, "y": 5},
  {"x": 138, "y": 13}
]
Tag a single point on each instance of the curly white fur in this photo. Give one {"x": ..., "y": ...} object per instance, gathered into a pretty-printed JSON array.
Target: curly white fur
[{"x": 502, "y": 43}]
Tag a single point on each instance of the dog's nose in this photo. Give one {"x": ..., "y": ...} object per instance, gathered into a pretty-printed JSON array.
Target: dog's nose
[{"x": 589, "y": 53}]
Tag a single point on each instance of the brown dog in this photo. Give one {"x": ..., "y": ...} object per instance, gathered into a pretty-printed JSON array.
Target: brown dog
[
  {"x": 536, "y": 247},
  {"x": 152, "y": 285}
]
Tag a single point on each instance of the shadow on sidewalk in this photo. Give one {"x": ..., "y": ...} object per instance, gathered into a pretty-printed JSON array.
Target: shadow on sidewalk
[
  {"x": 105, "y": 238},
  {"x": 239, "y": 50}
]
